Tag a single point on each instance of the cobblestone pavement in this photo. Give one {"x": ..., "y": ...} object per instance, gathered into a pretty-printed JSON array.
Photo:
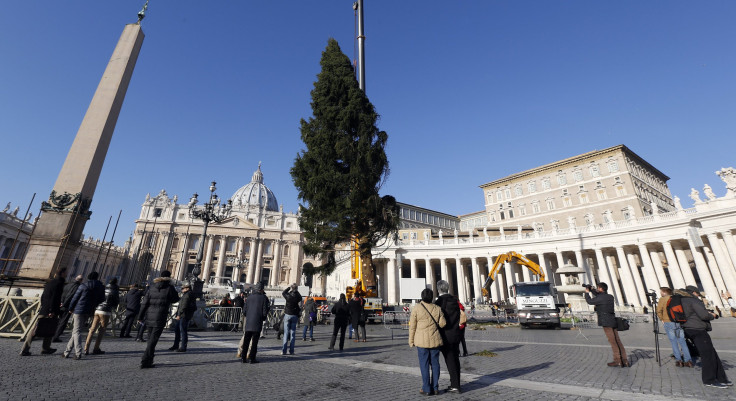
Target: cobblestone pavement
[{"x": 529, "y": 365}]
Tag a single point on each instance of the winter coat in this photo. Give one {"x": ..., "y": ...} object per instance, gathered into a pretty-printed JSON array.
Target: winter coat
[
  {"x": 450, "y": 309},
  {"x": 51, "y": 297},
  {"x": 87, "y": 297},
  {"x": 133, "y": 301},
  {"x": 238, "y": 302},
  {"x": 157, "y": 302},
  {"x": 292, "y": 302},
  {"x": 309, "y": 308},
  {"x": 69, "y": 290},
  {"x": 341, "y": 312},
  {"x": 698, "y": 317},
  {"x": 604, "y": 308},
  {"x": 187, "y": 305},
  {"x": 112, "y": 299},
  {"x": 662, "y": 309},
  {"x": 357, "y": 316},
  {"x": 423, "y": 332},
  {"x": 256, "y": 310}
]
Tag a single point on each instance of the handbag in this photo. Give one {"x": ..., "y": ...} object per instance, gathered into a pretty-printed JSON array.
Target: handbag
[
  {"x": 622, "y": 324},
  {"x": 463, "y": 317},
  {"x": 46, "y": 326}
]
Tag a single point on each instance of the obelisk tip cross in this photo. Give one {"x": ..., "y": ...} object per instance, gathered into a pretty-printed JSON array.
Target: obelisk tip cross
[{"x": 142, "y": 13}]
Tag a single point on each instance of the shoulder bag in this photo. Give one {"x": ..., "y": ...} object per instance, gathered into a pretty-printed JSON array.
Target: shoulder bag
[{"x": 430, "y": 315}]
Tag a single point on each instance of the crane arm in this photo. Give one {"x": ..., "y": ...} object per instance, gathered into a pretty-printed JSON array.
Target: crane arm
[
  {"x": 523, "y": 260},
  {"x": 520, "y": 259}
]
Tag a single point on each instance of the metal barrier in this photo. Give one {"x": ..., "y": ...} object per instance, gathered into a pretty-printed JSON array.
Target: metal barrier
[
  {"x": 17, "y": 315},
  {"x": 396, "y": 321},
  {"x": 224, "y": 315}
]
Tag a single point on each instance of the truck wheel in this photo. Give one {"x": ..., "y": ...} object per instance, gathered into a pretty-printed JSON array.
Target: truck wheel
[{"x": 523, "y": 326}]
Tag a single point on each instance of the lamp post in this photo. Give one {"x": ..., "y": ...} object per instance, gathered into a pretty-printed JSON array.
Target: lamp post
[{"x": 214, "y": 211}]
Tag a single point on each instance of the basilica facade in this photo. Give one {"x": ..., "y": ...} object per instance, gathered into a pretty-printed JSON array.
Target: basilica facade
[{"x": 257, "y": 242}]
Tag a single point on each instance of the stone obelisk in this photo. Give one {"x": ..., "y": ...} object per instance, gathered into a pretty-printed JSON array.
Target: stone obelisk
[{"x": 59, "y": 228}]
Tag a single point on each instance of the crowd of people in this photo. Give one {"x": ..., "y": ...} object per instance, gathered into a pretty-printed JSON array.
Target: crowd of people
[{"x": 436, "y": 325}]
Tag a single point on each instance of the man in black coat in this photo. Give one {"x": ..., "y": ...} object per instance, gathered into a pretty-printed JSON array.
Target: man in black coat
[
  {"x": 155, "y": 311},
  {"x": 182, "y": 317},
  {"x": 604, "y": 307},
  {"x": 132, "y": 302},
  {"x": 696, "y": 328},
  {"x": 341, "y": 312},
  {"x": 83, "y": 304},
  {"x": 69, "y": 290},
  {"x": 255, "y": 311},
  {"x": 357, "y": 317},
  {"x": 450, "y": 333},
  {"x": 50, "y": 309},
  {"x": 292, "y": 309}
]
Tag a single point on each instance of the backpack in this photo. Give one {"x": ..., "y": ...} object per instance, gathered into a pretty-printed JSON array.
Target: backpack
[{"x": 674, "y": 309}]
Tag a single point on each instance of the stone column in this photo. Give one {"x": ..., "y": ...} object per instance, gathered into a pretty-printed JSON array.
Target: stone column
[
  {"x": 57, "y": 235},
  {"x": 730, "y": 246},
  {"x": 221, "y": 258},
  {"x": 627, "y": 279},
  {"x": 525, "y": 274},
  {"x": 274, "y": 281},
  {"x": 238, "y": 255},
  {"x": 658, "y": 267},
  {"x": 678, "y": 280},
  {"x": 443, "y": 269},
  {"x": 208, "y": 258},
  {"x": 184, "y": 260},
  {"x": 391, "y": 287},
  {"x": 414, "y": 272},
  {"x": 724, "y": 263},
  {"x": 584, "y": 264},
  {"x": 545, "y": 267},
  {"x": 651, "y": 278},
  {"x": 640, "y": 290},
  {"x": 706, "y": 280},
  {"x": 429, "y": 274},
  {"x": 494, "y": 290},
  {"x": 615, "y": 275},
  {"x": 687, "y": 272},
  {"x": 509, "y": 279},
  {"x": 477, "y": 285},
  {"x": 259, "y": 262},
  {"x": 460, "y": 273},
  {"x": 254, "y": 243},
  {"x": 607, "y": 274}
]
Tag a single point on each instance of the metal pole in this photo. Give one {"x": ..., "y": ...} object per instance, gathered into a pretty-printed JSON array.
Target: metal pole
[
  {"x": 361, "y": 47},
  {"x": 112, "y": 239},
  {"x": 102, "y": 245}
]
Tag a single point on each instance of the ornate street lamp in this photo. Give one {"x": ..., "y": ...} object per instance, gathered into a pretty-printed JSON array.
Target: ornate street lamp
[{"x": 214, "y": 211}]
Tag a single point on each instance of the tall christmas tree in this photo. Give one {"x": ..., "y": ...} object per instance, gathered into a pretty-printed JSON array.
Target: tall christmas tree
[{"x": 340, "y": 173}]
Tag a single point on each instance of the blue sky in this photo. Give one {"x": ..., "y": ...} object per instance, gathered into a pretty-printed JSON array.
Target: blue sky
[{"x": 468, "y": 91}]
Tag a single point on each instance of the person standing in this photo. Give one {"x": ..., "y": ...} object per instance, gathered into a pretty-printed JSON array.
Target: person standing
[
  {"x": 239, "y": 302},
  {"x": 341, "y": 312},
  {"x": 309, "y": 316},
  {"x": 450, "y": 333},
  {"x": 604, "y": 307},
  {"x": 132, "y": 307},
  {"x": 697, "y": 327},
  {"x": 142, "y": 326},
  {"x": 103, "y": 312},
  {"x": 50, "y": 309},
  {"x": 425, "y": 323},
  {"x": 357, "y": 317},
  {"x": 69, "y": 290},
  {"x": 184, "y": 313},
  {"x": 462, "y": 330},
  {"x": 83, "y": 303},
  {"x": 291, "y": 317},
  {"x": 255, "y": 310},
  {"x": 155, "y": 311},
  {"x": 674, "y": 332}
]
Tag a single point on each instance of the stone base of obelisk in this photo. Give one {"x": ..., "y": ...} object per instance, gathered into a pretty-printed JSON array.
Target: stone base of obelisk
[{"x": 49, "y": 250}]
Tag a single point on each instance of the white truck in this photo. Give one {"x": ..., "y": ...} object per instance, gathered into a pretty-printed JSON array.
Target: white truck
[{"x": 535, "y": 304}]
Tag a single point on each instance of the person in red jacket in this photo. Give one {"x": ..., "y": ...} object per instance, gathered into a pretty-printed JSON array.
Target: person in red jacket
[{"x": 462, "y": 331}]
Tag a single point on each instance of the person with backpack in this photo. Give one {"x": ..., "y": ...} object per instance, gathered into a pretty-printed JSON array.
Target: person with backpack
[
  {"x": 82, "y": 305},
  {"x": 604, "y": 307},
  {"x": 671, "y": 322},
  {"x": 697, "y": 325}
]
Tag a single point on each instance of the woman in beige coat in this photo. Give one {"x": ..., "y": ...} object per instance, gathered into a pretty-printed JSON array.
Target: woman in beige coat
[{"x": 424, "y": 333}]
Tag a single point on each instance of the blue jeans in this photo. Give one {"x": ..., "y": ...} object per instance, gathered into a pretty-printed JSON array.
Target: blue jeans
[
  {"x": 311, "y": 331},
  {"x": 429, "y": 357},
  {"x": 289, "y": 332},
  {"x": 677, "y": 339},
  {"x": 181, "y": 333}
]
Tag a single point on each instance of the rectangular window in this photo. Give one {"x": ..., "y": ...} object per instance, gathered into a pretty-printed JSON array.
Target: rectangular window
[
  {"x": 561, "y": 179},
  {"x": 613, "y": 166},
  {"x": 602, "y": 194},
  {"x": 566, "y": 201},
  {"x": 503, "y": 216},
  {"x": 594, "y": 171},
  {"x": 405, "y": 236},
  {"x": 519, "y": 191},
  {"x": 545, "y": 184},
  {"x": 499, "y": 196},
  {"x": 535, "y": 207},
  {"x": 511, "y": 213},
  {"x": 578, "y": 174},
  {"x": 413, "y": 235},
  {"x": 550, "y": 204},
  {"x": 620, "y": 190},
  {"x": 583, "y": 199},
  {"x": 532, "y": 187},
  {"x": 522, "y": 210}
]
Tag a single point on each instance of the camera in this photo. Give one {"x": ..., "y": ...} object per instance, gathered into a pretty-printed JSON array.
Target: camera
[
  {"x": 591, "y": 288},
  {"x": 713, "y": 312}
]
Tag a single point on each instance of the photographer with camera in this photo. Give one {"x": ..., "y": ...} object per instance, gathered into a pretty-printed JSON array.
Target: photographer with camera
[
  {"x": 697, "y": 327},
  {"x": 604, "y": 307},
  {"x": 673, "y": 330}
]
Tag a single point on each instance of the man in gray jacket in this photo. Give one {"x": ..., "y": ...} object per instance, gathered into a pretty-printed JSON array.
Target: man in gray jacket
[
  {"x": 696, "y": 328},
  {"x": 255, "y": 311}
]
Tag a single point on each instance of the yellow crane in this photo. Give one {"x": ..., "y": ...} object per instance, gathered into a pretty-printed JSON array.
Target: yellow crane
[
  {"x": 508, "y": 257},
  {"x": 362, "y": 271}
]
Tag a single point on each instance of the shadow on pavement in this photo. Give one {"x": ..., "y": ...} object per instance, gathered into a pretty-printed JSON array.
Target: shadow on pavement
[{"x": 489, "y": 380}]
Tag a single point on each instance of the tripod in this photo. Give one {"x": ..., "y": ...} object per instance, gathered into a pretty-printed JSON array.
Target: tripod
[{"x": 652, "y": 297}]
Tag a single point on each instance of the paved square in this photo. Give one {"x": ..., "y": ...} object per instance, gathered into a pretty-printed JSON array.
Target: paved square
[{"x": 530, "y": 364}]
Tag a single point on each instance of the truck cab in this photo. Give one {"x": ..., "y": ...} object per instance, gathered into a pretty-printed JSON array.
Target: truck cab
[{"x": 535, "y": 304}]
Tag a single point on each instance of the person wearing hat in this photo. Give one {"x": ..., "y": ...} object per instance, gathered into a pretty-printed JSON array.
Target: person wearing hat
[
  {"x": 184, "y": 313},
  {"x": 255, "y": 311},
  {"x": 696, "y": 328},
  {"x": 155, "y": 312}
]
